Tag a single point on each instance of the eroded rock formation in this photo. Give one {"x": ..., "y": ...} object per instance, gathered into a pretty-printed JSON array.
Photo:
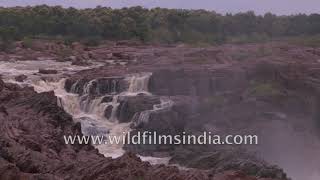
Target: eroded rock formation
[{"x": 32, "y": 145}]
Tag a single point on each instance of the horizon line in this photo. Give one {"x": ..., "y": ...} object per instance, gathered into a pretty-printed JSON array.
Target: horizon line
[{"x": 150, "y": 8}]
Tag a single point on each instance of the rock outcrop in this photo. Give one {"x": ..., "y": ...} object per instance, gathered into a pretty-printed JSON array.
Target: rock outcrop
[
  {"x": 32, "y": 146},
  {"x": 21, "y": 78},
  {"x": 130, "y": 105},
  {"x": 48, "y": 71}
]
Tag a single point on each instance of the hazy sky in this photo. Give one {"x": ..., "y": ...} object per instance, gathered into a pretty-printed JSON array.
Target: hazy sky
[{"x": 221, "y": 6}]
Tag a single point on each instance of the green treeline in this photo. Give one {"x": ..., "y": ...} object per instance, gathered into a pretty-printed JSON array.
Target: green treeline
[{"x": 154, "y": 25}]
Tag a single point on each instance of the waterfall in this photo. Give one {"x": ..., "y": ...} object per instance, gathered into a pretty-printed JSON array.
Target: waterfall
[
  {"x": 90, "y": 106},
  {"x": 115, "y": 105},
  {"x": 74, "y": 88},
  {"x": 87, "y": 105},
  {"x": 88, "y": 86},
  {"x": 95, "y": 107},
  {"x": 114, "y": 86},
  {"x": 91, "y": 100},
  {"x": 139, "y": 83}
]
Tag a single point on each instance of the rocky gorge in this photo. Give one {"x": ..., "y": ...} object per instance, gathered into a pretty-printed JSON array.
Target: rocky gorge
[{"x": 266, "y": 89}]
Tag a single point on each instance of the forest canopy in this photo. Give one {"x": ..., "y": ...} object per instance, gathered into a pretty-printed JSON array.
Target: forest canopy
[{"x": 151, "y": 25}]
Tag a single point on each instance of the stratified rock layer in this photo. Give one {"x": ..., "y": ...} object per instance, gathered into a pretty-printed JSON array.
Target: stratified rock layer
[{"x": 32, "y": 145}]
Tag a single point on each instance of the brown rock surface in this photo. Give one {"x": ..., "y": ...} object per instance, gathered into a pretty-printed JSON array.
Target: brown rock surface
[
  {"x": 48, "y": 71},
  {"x": 32, "y": 146},
  {"x": 21, "y": 78}
]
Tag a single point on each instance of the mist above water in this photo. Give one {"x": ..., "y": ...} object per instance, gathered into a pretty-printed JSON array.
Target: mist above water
[{"x": 296, "y": 151}]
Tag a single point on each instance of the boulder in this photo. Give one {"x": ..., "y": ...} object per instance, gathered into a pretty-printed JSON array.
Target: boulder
[
  {"x": 48, "y": 71},
  {"x": 107, "y": 99},
  {"x": 70, "y": 58},
  {"x": 77, "y": 46},
  {"x": 79, "y": 61},
  {"x": 165, "y": 121},
  {"x": 121, "y": 55},
  {"x": 108, "y": 112},
  {"x": 21, "y": 78},
  {"x": 1, "y": 85},
  {"x": 130, "y": 105}
]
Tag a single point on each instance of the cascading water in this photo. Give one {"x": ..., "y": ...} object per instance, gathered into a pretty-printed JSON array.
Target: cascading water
[
  {"x": 139, "y": 83},
  {"x": 90, "y": 109}
]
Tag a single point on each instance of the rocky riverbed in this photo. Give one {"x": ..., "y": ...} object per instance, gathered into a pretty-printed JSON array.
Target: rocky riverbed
[{"x": 266, "y": 89}]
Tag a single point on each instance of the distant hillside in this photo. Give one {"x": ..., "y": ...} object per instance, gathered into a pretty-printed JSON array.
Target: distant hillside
[{"x": 151, "y": 25}]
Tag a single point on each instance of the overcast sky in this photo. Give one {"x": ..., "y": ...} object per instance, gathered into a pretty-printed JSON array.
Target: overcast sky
[{"x": 221, "y": 6}]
